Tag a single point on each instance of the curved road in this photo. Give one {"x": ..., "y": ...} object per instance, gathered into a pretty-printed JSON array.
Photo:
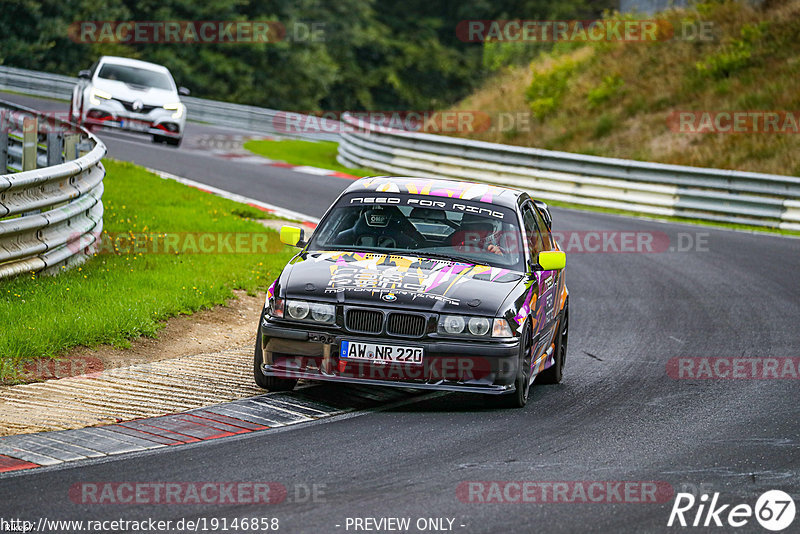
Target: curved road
[{"x": 617, "y": 416}]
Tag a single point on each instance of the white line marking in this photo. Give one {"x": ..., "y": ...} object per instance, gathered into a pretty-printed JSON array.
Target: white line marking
[{"x": 277, "y": 210}]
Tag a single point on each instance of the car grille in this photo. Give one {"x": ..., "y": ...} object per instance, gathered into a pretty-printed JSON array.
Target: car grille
[
  {"x": 406, "y": 324},
  {"x": 369, "y": 322},
  {"x": 129, "y": 107}
]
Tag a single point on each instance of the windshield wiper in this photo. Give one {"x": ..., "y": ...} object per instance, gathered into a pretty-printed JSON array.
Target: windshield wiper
[{"x": 449, "y": 257}]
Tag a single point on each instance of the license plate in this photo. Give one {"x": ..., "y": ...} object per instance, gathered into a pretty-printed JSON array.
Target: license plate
[
  {"x": 137, "y": 126},
  {"x": 353, "y": 350}
]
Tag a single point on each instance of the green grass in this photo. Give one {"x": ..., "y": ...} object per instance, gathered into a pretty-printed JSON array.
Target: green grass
[
  {"x": 621, "y": 100},
  {"x": 116, "y": 297},
  {"x": 320, "y": 154}
]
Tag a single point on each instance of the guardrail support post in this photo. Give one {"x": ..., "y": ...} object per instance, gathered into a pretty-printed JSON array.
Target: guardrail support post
[
  {"x": 30, "y": 137},
  {"x": 54, "y": 143},
  {"x": 71, "y": 146},
  {"x": 5, "y": 129}
]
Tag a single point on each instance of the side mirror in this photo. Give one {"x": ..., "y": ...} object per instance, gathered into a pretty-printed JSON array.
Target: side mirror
[
  {"x": 293, "y": 236},
  {"x": 184, "y": 91},
  {"x": 552, "y": 260},
  {"x": 85, "y": 74}
]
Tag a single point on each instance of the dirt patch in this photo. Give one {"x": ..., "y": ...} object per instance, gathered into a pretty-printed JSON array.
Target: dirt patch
[{"x": 226, "y": 327}]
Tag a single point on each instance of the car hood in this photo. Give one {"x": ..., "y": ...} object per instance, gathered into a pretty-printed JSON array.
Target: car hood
[
  {"x": 404, "y": 282},
  {"x": 149, "y": 96}
]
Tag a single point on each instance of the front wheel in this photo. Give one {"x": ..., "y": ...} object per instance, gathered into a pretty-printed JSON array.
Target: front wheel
[
  {"x": 270, "y": 383},
  {"x": 522, "y": 384}
]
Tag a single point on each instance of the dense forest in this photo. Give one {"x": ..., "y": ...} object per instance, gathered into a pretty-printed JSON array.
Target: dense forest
[{"x": 363, "y": 54}]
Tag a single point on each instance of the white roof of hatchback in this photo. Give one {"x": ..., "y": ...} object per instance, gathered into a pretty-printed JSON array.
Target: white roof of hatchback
[{"x": 128, "y": 62}]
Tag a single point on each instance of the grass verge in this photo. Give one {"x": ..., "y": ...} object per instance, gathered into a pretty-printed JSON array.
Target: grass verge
[
  {"x": 320, "y": 154},
  {"x": 120, "y": 295}
]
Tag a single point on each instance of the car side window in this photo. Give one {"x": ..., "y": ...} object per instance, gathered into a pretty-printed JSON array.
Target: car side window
[
  {"x": 545, "y": 232},
  {"x": 532, "y": 231}
]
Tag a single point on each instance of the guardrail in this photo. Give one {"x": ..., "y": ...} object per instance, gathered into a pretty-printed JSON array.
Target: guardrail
[
  {"x": 51, "y": 212},
  {"x": 651, "y": 188},
  {"x": 251, "y": 118}
]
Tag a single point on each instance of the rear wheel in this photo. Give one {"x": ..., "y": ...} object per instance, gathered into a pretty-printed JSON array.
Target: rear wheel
[
  {"x": 519, "y": 397},
  {"x": 270, "y": 383},
  {"x": 554, "y": 373}
]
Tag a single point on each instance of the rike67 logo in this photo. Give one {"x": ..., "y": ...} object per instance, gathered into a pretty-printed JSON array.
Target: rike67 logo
[{"x": 774, "y": 510}]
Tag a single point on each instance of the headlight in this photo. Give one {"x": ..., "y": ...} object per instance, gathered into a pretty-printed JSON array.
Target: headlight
[
  {"x": 453, "y": 324},
  {"x": 300, "y": 310},
  {"x": 96, "y": 93},
  {"x": 478, "y": 326},
  {"x": 297, "y": 309},
  {"x": 457, "y": 325},
  {"x": 323, "y": 313},
  {"x": 177, "y": 107}
]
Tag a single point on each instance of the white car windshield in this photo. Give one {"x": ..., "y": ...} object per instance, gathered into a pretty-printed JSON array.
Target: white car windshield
[{"x": 135, "y": 76}]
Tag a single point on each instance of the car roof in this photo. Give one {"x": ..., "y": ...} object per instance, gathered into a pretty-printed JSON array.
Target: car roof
[
  {"x": 128, "y": 62},
  {"x": 475, "y": 191}
]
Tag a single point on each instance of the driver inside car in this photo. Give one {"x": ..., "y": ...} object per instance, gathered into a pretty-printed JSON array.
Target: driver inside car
[{"x": 481, "y": 233}]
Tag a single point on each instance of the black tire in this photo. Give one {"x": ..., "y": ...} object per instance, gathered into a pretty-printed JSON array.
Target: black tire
[
  {"x": 173, "y": 141},
  {"x": 519, "y": 398},
  {"x": 158, "y": 139},
  {"x": 270, "y": 383},
  {"x": 554, "y": 373}
]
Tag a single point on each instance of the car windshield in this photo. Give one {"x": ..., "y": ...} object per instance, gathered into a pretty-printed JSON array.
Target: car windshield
[
  {"x": 459, "y": 230},
  {"x": 135, "y": 76}
]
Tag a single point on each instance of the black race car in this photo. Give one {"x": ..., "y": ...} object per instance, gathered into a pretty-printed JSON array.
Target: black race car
[{"x": 420, "y": 283}]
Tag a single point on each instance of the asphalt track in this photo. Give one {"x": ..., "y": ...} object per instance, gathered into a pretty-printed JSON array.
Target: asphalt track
[{"x": 617, "y": 416}]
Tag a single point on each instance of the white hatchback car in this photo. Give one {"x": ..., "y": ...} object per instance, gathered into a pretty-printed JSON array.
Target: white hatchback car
[{"x": 131, "y": 95}]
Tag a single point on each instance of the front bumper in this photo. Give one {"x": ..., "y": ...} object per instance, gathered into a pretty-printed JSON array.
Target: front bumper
[
  {"x": 156, "y": 122},
  {"x": 305, "y": 352}
]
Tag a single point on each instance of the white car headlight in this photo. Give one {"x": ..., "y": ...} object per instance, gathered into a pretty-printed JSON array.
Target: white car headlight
[
  {"x": 177, "y": 107},
  {"x": 96, "y": 94}
]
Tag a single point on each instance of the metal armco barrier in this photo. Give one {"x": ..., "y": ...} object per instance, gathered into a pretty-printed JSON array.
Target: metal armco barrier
[
  {"x": 51, "y": 213},
  {"x": 668, "y": 190},
  {"x": 251, "y": 118}
]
